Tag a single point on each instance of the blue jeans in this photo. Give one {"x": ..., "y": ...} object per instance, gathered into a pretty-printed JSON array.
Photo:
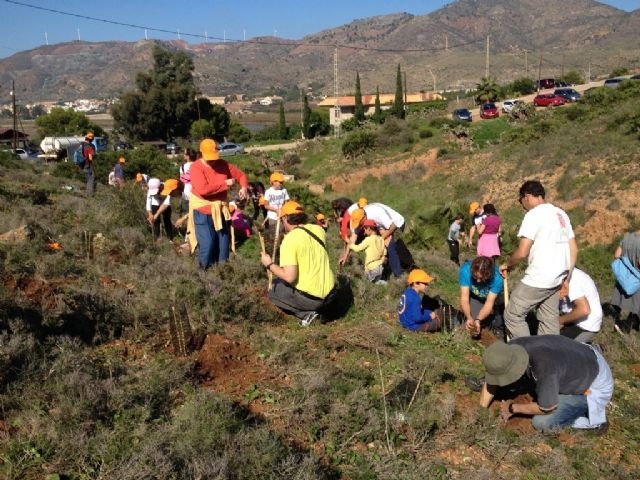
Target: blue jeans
[
  {"x": 569, "y": 408},
  {"x": 394, "y": 259},
  {"x": 213, "y": 247}
]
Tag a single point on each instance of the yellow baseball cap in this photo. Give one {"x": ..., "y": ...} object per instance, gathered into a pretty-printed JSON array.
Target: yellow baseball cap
[
  {"x": 418, "y": 275},
  {"x": 290, "y": 208},
  {"x": 473, "y": 206},
  {"x": 209, "y": 149}
]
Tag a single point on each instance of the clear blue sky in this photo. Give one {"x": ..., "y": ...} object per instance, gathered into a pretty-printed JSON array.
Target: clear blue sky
[{"x": 24, "y": 27}]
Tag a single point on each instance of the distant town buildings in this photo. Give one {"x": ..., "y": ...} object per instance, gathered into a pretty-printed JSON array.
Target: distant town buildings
[{"x": 347, "y": 104}]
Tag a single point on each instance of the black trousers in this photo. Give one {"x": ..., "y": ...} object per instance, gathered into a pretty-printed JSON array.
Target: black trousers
[
  {"x": 166, "y": 220},
  {"x": 454, "y": 250}
]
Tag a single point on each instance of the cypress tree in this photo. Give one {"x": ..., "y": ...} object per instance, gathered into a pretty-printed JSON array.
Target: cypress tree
[
  {"x": 306, "y": 118},
  {"x": 358, "y": 113},
  {"x": 282, "y": 124},
  {"x": 377, "y": 113},
  {"x": 398, "y": 102}
]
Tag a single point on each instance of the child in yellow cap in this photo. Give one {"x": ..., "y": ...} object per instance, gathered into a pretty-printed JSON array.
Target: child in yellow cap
[
  {"x": 374, "y": 250},
  {"x": 410, "y": 311},
  {"x": 274, "y": 198}
]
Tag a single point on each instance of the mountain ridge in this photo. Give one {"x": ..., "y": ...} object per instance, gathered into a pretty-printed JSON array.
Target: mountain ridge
[{"x": 446, "y": 47}]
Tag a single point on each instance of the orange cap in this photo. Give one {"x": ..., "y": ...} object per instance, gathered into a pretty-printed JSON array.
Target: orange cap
[
  {"x": 169, "y": 186},
  {"x": 356, "y": 218},
  {"x": 209, "y": 149},
  {"x": 290, "y": 208},
  {"x": 418, "y": 275}
]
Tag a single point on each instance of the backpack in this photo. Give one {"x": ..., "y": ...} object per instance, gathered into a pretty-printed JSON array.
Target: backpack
[
  {"x": 185, "y": 176},
  {"x": 79, "y": 157},
  {"x": 627, "y": 276}
]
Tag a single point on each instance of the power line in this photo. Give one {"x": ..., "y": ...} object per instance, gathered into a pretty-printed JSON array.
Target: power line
[{"x": 289, "y": 43}]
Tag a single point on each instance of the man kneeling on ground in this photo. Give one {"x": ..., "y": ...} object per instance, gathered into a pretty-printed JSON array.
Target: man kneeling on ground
[
  {"x": 572, "y": 382},
  {"x": 304, "y": 279}
]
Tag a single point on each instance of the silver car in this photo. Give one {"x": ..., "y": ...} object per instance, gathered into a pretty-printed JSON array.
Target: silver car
[{"x": 228, "y": 148}]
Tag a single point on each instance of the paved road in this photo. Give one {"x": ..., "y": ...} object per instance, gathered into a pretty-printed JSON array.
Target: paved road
[
  {"x": 475, "y": 112},
  {"x": 271, "y": 148}
]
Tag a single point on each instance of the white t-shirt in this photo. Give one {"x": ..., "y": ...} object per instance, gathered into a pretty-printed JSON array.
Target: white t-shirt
[
  {"x": 184, "y": 170},
  {"x": 156, "y": 201},
  {"x": 581, "y": 285},
  {"x": 383, "y": 215},
  {"x": 550, "y": 229},
  {"x": 276, "y": 198}
]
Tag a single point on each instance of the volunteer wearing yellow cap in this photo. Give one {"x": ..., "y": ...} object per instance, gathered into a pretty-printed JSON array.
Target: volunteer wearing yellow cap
[
  {"x": 477, "y": 214},
  {"x": 88, "y": 152},
  {"x": 410, "y": 311},
  {"x": 304, "y": 279},
  {"x": 274, "y": 197},
  {"x": 159, "y": 205},
  {"x": 209, "y": 218}
]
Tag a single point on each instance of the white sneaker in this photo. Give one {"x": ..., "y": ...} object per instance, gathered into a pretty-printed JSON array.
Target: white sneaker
[{"x": 308, "y": 318}]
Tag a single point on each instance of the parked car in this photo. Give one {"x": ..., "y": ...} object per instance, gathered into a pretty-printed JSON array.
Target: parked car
[
  {"x": 172, "y": 148},
  {"x": 614, "y": 82},
  {"x": 569, "y": 94},
  {"x": 26, "y": 154},
  {"x": 507, "y": 105},
  {"x": 122, "y": 146},
  {"x": 636, "y": 76},
  {"x": 545, "y": 83},
  {"x": 548, "y": 100},
  {"x": 489, "y": 110},
  {"x": 228, "y": 148},
  {"x": 462, "y": 114},
  {"x": 560, "y": 84}
]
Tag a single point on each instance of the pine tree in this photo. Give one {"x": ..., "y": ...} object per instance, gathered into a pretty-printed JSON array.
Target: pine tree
[
  {"x": 358, "y": 113},
  {"x": 283, "y": 131},
  {"x": 398, "y": 102}
]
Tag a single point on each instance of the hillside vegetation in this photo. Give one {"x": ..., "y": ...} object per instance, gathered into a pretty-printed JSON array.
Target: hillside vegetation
[{"x": 96, "y": 382}]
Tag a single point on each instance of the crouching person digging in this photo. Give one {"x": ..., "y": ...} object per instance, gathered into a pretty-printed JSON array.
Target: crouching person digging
[
  {"x": 571, "y": 381},
  {"x": 303, "y": 282}
]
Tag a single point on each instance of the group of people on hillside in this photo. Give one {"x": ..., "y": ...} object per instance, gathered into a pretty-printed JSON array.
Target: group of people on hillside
[{"x": 572, "y": 382}]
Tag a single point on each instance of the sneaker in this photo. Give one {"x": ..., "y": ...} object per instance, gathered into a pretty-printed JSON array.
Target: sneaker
[
  {"x": 474, "y": 383},
  {"x": 622, "y": 326},
  {"x": 308, "y": 318},
  {"x": 601, "y": 429}
]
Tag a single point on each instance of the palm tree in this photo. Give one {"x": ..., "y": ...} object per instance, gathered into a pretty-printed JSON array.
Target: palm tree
[{"x": 487, "y": 90}]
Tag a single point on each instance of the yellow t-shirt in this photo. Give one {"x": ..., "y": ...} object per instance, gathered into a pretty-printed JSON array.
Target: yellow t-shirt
[
  {"x": 300, "y": 249},
  {"x": 374, "y": 251}
]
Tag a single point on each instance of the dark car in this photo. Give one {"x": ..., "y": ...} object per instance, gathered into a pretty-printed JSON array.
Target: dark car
[
  {"x": 614, "y": 82},
  {"x": 636, "y": 76},
  {"x": 545, "y": 83},
  {"x": 489, "y": 110},
  {"x": 548, "y": 100},
  {"x": 228, "y": 148},
  {"x": 462, "y": 114},
  {"x": 569, "y": 94},
  {"x": 560, "y": 84}
]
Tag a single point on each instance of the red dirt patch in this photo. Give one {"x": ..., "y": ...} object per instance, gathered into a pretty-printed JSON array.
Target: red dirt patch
[
  {"x": 345, "y": 182},
  {"x": 36, "y": 291},
  {"x": 230, "y": 367},
  {"x": 635, "y": 369}
]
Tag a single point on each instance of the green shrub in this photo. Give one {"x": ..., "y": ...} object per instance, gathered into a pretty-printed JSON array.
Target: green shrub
[
  {"x": 358, "y": 143},
  {"x": 426, "y": 133}
]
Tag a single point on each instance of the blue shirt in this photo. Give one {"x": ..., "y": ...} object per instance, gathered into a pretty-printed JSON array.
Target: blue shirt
[
  {"x": 410, "y": 310},
  {"x": 477, "y": 289}
]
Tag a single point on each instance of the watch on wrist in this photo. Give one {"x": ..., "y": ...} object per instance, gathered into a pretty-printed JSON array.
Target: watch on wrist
[
  {"x": 511, "y": 409},
  {"x": 268, "y": 267}
]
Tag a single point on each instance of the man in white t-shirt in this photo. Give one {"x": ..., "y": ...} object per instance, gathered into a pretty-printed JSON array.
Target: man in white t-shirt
[
  {"x": 585, "y": 318},
  {"x": 389, "y": 222},
  {"x": 548, "y": 243}
]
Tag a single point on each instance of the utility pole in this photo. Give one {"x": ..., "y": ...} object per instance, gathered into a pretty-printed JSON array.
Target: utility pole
[
  {"x": 589, "y": 73},
  {"x": 526, "y": 64},
  {"x": 78, "y": 30},
  {"x": 46, "y": 38},
  {"x": 486, "y": 69},
  {"x": 244, "y": 35},
  {"x": 405, "y": 91},
  {"x": 562, "y": 68},
  {"x": 446, "y": 42},
  {"x": 337, "y": 119},
  {"x": 206, "y": 37},
  {"x": 146, "y": 34},
  {"x": 539, "y": 72},
  {"x": 301, "y": 115},
  {"x": 15, "y": 116}
]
